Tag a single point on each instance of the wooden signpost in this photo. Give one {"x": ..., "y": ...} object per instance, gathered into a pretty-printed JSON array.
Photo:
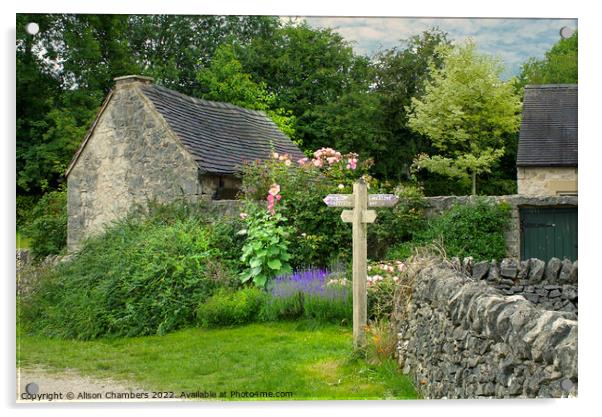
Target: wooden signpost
[{"x": 360, "y": 216}]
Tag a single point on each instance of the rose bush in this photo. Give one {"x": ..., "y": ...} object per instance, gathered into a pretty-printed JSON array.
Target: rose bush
[
  {"x": 383, "y": 278},
  {"x": 318, "y": 237}
]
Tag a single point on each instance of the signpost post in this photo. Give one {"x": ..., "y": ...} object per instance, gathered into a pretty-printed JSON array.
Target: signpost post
[{"x": 360, "y": 216}]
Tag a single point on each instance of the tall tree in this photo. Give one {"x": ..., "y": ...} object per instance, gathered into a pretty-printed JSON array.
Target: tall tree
[
  {"x": 370, "y": 117},
  {"x": 305, "y": 68},
  {"x": 173, "y": 48},
  {"x": 225, "y": 80},
  {"x": 466, "y": 112},
  {"x": 355, "y": 123},
  {"x": 560, "y": 65},
  {"x": 64, "y": 72},
  {"x": 81, "y": 53},
  {"x": 400, "y": 74},
  {"x": 36, "y": 93}
]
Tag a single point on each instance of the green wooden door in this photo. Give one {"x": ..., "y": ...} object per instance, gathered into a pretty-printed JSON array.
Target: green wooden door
[{"x": 548, "y": 232}]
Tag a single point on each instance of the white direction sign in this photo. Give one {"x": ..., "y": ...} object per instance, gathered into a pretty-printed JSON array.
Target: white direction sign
[
  {"x": 339, "y": 200},
  {"x": 382, "y": 200},
  {"x": 374, "y": 200}
]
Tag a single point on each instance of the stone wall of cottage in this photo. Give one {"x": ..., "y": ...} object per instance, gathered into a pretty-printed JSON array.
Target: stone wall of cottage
[
  {"x": 436, "y": 205},
  {"x": 547, "y": 181},
  {"x": 461, "y": 337},
  {"x": 131, "y": 158}
]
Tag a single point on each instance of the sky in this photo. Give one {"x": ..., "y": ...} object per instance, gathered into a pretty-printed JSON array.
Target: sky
[{"x": 512, "y": 40}]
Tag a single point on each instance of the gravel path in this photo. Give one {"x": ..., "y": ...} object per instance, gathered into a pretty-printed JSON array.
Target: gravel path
[{"x": 59, "y": 386}]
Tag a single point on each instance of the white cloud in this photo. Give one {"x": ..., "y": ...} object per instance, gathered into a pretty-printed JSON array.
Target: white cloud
[{"x": 514, "y": 40}]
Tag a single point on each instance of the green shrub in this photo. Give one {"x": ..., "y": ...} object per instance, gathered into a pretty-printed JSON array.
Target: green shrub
[
  {"x": 24, "y": 207},
  {"x": 474, "y": 229},
  {"x": 47, "y": 229},
  {"x": 144, "y": 275},
  {"x": 226, "y": 308},
  {"x": 226, "y": 241},
  {"x": 319, "y": 308},
  {"x": 398, "y": 224},
  {"x": 319, "y": 235},
  {"x": 314, "y": 294},
  {"x": 401, "y": 251}
]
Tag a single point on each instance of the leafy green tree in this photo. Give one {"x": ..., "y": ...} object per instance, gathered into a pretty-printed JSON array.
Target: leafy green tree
[
  {"x": 558, "y": 67},
  {"x": 79, "y": 55},
  {"x": 36, "y": 92},
  {"x": 400, "y": 74},
  {"x": 305, "y": 68},
  {"x": 466, "y": 112},
  {"x": 174, "y": 48},
  {"x": 356, "y": 123},
  {"x": 65, "y": 71},
  {"x": 225, "y": 80}
]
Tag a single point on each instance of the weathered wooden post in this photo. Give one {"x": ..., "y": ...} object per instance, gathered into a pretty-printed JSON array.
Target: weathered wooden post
[{"x": 360, "y": 216}]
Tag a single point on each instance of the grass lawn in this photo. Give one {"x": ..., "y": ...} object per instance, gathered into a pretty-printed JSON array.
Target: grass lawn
[
  {"x": 311, "y": 362},
  {"x": 22, "y": 243}
]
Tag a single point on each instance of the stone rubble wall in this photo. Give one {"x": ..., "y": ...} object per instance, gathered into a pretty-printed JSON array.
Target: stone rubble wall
[
  {"x": 29, "y": 272},
  {"x": 551, "y": 286},
  {"x": 546, "y": 180},
  {"x": 130, "y": 158},
  {"x": 462, "y": 338}
]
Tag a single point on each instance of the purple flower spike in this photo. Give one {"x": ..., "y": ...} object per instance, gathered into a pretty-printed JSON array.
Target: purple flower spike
[{"x": 311, "y": 282}]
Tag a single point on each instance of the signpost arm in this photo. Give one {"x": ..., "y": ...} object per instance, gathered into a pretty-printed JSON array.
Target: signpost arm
[{"x": 360, "y": 254}]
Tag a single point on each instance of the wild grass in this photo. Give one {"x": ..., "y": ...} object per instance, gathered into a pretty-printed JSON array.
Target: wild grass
[
  {"x": 22, "y": 242},
  {"x": 310, "y": 360},
  {"x": 144, "y": 275}
]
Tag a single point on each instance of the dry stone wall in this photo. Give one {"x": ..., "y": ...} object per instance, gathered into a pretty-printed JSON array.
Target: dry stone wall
[
  {"x": 551, "y": 286},
  {"x": 463, "y": 338}
]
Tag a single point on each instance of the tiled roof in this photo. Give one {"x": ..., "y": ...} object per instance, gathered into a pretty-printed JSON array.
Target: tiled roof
[
  {"x": 548, "y": 133},
  {"x": 219, "y": 136}
]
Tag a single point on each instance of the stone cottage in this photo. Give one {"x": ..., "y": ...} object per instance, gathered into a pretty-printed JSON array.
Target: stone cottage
[
  {"x": 152, "y": 143},
  {"x": 547, "y": 148}
]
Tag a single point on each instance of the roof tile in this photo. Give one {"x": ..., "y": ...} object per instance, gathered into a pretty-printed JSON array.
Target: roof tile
[
  {"x": 220, "y": 136},
  {"x": 548, "y": 133}
]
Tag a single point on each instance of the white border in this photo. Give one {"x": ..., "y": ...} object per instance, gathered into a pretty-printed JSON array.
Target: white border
[{"x": 589, "y": 221}]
